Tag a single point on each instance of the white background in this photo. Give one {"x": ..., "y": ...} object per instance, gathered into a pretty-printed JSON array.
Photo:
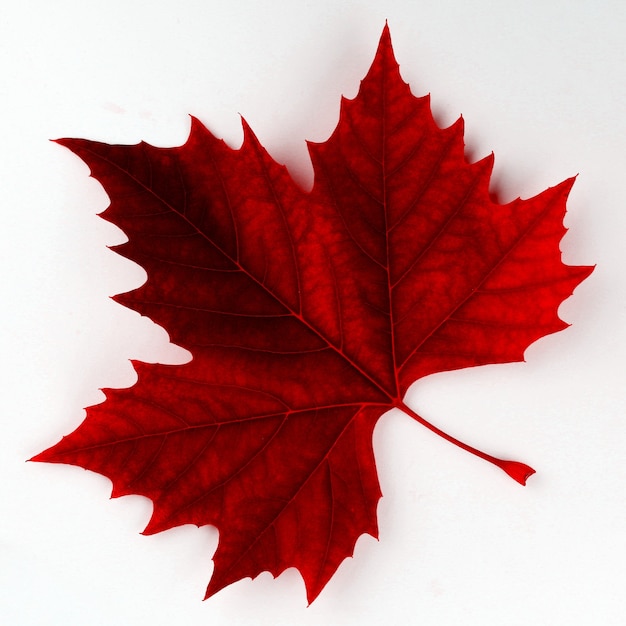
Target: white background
[{"x": 541, "y": 83}]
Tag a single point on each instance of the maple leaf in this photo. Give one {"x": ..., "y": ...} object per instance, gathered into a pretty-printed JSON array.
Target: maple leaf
[{"x": 308, "y": 315}]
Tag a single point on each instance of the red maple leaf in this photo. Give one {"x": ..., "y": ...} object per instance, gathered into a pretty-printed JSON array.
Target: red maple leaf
[{"x": 308, "y": 315}]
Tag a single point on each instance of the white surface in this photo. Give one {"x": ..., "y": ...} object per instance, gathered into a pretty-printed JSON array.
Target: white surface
[{"x": 541, "y": 83}]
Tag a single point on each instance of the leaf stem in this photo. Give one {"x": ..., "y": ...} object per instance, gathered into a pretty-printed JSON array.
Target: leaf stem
[{"x": 516, "y": 470}]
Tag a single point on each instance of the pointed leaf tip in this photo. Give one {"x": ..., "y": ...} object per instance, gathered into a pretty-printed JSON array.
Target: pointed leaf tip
[{"x": 385, "y": 46}]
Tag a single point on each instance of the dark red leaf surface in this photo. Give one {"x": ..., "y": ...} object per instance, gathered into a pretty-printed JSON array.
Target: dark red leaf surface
[{"x": 308, "y": 315}]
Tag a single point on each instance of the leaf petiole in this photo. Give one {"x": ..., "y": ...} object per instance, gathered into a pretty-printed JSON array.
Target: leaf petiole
[{"x": 519, "y": 472}]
